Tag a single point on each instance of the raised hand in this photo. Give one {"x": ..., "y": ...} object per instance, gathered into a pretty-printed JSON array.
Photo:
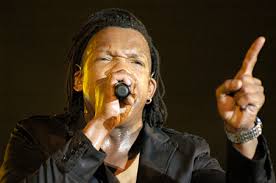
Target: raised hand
[{"x": 240, "y": 99}]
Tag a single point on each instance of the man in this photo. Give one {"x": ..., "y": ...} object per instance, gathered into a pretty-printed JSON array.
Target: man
[{"x": 107, "y": 138}]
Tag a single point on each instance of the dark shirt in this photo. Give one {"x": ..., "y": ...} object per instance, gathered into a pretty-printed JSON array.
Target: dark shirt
[{"x": 49, "y": 149}]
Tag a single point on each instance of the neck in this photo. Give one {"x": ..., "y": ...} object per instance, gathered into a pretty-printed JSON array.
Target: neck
[
  {"x": 119, "y": 142},
  {"x": 126, "y": 130},
  {"x": 122, "y": 137},
  {"x": 129, "y": 129}
]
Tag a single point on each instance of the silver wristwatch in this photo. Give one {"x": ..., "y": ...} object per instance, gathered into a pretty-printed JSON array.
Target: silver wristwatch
[{"x": 245, "y": 135}]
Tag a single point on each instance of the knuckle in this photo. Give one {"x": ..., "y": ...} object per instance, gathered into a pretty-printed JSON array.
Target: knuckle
[
  {"x": 249, "y": 89},
  {"x": 241, "y": 102},
  {"x": 247, "y": 97},
  {"x": 245, "y": 78},
  {"x": 248, "y": 79},
  {"x": 261, "y": 88},
  {"x": 262, "y": 95},
  {"x": 244, "y": 89},
  {"x": 219, "y": 89},
  {"x": 227, "y": 83},
  {"x": 258, "y": 81}
]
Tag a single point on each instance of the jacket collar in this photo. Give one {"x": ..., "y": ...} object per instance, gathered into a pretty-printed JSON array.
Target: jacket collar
[
  {"x": 156, "y": 151},
  {"x": 155, "y": 147}
]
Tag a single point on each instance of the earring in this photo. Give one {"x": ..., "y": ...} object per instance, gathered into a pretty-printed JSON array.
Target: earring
[
  {"x": 148, "y": 101},
  {"x": 78, "y": 66}
]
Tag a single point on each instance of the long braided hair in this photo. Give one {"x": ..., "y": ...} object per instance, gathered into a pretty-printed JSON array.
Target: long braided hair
[{"x": 154, "y": 113}]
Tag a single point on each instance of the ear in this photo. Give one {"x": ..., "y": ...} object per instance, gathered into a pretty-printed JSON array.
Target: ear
[
  {"x": 152, "y": 88},
  {"x": 78, "y": 81}
]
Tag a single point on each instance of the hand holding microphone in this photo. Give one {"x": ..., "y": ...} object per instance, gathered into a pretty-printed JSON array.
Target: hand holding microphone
[
  {"x": 113, "y": 101},
  {"x": 115, "y": 96}
]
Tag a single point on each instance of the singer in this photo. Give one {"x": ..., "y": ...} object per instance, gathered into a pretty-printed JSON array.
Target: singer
[{"x": 113, "y": 129}]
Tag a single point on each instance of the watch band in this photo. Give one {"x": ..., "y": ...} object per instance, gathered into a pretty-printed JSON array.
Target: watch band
[{"x": 245, "y": 135}]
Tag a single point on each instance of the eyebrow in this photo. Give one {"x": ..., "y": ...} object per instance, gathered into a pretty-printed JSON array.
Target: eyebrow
[
  {"x": 134, "y": 55},
  {"x": 131, "y": 55}
]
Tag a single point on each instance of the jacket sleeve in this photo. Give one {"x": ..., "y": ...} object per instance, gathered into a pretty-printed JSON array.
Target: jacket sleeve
[
  {"x": 242, "y": 169},
  {"x": 76, "y": 161},
  {"x": 239, "y": 168}
]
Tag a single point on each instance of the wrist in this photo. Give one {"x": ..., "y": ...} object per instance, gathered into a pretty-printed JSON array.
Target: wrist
[
  {"x": 231, "y": 129},
  {"x": 247, "y": 149},
  {"x": 96, "y": 132},
  {"x": 240, "y": 136}
]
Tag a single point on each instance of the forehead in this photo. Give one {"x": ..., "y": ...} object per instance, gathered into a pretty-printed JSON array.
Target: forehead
[{"x": 118, "y": 39}]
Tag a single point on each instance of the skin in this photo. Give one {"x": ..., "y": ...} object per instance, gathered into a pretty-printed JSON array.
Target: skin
[
  {"x": 240, "y": 99},
  {"x": 122, "y": 54},
  {"x": 115, "y": 54}
]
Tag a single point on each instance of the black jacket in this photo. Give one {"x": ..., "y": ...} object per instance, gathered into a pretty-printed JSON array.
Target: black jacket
[{"x": 48, "y": 149}]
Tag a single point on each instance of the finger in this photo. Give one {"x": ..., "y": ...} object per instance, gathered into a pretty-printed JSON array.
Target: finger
[
  {"x": 125, "y": 112},
  {"x": 255, "y": 91},
  {"x": 130, "y": 100},
  {"x": 250, "y": 88},
  {"x": 251, "y": 58},
  {"x": 103, "y": 89},
  {"x": 257, "y": 81},
  {"x": 114, "y": 108},
  {"x": 229, "y": 86},
  {"x": 256, "y": 99},
  {"x": 250, "y": 80}
]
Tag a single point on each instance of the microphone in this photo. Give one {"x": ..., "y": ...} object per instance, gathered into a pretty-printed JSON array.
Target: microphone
[{"x": 121, "y": 90}]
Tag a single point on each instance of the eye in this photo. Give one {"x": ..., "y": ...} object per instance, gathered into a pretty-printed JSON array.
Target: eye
[
  {"x": 138, "y": 62},
  {"x": 104, "y": 59}
]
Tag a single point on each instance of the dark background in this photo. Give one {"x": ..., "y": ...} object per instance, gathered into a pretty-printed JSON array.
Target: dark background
[{"x": 201, "y": 44}]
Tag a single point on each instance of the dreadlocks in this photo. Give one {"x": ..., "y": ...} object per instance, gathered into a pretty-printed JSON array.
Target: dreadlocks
[{"x": 154, "y": 113}]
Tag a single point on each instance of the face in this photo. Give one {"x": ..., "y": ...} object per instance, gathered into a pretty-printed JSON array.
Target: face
[{"x": 113, "y": 49}]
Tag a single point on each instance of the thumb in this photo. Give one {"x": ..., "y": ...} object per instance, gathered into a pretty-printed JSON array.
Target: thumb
[{"x": 228, "y": 87}]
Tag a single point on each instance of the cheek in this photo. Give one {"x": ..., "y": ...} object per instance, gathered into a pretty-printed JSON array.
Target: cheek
[
  {"x": 143, "y": 88},
  {"x": 90, "y": 78},
  {"x": 88, "y": 85}
]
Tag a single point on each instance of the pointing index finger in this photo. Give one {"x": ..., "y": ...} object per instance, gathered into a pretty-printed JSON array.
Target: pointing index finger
[{"x": 251, "y": 57}]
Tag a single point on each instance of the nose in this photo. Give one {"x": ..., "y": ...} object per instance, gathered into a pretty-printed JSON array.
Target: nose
[{"x": 119, "y": 63}]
